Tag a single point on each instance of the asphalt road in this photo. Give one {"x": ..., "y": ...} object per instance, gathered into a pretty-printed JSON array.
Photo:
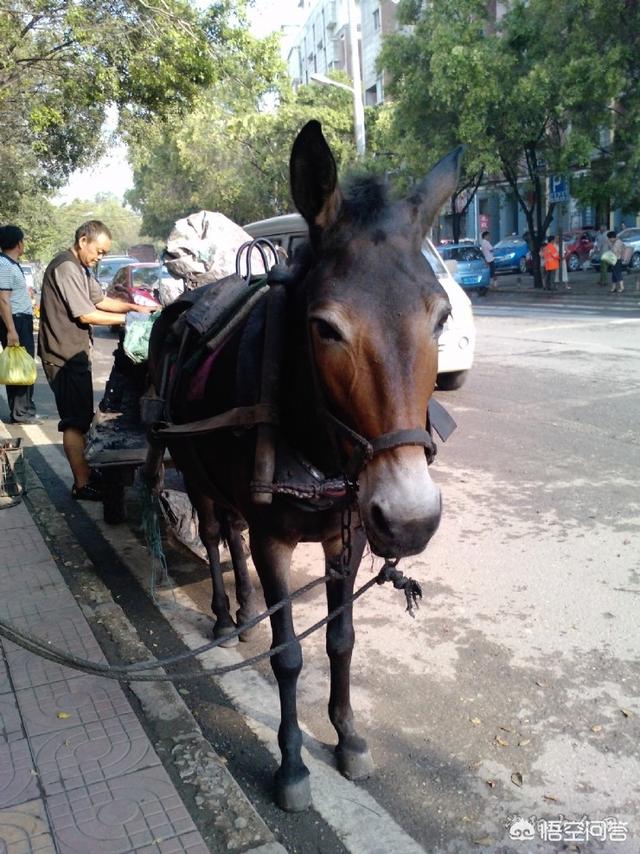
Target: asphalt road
[{"x": 515, "y": 693}]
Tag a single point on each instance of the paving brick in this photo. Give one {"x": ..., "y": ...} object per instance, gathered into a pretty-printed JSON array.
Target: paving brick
[
  {"x": 24, "y": 829},
  {"x": 10, "y": 724},
  {"x": 69, "y": 703},
  {"x": 138, "y": 811},
  {"x": 93, "y": 753},
  {"x": 15, "y": 606},
  {"x": 22, "y": 546},
  {"x": 5, "y": 684},
  {"x": 15, "y": 517},
  {"x": 18, "y": 780},
  {"x": 37, "y": 577},
  {"x": 68, "y": 630}
]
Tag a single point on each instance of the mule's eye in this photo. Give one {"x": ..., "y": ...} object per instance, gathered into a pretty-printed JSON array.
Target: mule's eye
[
  {"x": 444, "y": 316},
  {"x": 325, "y": 330}
]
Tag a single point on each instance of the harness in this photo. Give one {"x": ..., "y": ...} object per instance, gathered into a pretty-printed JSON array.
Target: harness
[{"x": 209, "y": 318}]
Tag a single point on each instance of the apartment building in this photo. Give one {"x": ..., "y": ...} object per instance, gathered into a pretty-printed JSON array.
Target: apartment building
[{"x": 322, "y": 42}]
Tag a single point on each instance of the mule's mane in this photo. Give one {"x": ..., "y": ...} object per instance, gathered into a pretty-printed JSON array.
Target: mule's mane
[{"x": 365, "y": 199}]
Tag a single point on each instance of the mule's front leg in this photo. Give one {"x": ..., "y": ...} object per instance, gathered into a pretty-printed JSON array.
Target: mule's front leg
[
  {"x": 273, "y": 559},
  {"x": 354, "y": 759}
]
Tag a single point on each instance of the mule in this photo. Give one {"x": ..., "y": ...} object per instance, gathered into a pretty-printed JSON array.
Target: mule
[{"x": 363, "y": 315}]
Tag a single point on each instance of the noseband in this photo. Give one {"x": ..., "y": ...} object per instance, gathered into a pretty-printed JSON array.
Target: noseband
[{"x": 365, "y": 450}]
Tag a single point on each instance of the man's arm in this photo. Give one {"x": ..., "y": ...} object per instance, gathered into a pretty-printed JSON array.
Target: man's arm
[
  {"x": 7, "y": 317},
  {"x": 111, "y": 312}
]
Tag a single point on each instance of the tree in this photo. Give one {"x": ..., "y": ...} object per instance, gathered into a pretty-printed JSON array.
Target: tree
[
  {"x": 232, "y": 153},
  {"x": 530, "y": 96},
  {"x": 64, "y": 61}
]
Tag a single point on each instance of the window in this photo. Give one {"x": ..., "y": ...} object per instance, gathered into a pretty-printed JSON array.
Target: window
[{"x": 376, "y": 19}]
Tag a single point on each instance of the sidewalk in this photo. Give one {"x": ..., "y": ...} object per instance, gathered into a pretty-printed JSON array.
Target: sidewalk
[
  {"x": 78, "y": 772},
  {"x": 582, "y": 283}
]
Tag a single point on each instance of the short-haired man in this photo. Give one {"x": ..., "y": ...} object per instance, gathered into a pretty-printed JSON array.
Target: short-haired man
[
  {"x": 16, "y": 318},
  {"x": 71, "y": 302}
]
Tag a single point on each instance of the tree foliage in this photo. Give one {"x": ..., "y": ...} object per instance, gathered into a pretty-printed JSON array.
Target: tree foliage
[
  {"x": 231, "y": 154},
  {"x": 533, "y": 95},
  {"x": 64, "y": 61}
]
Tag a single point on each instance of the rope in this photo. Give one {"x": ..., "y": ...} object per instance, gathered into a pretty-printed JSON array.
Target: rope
[
  {"x": 131, "y": 672},
  {"x": 153, "y": 536}
]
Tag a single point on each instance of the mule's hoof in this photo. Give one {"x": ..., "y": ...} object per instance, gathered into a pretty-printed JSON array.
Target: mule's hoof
[
  {"x": 243, "y": 617},
  {"x": 294, "y": 797},
  {"x": 222, "y": 632},
  {"x": 354, "y": 764}
]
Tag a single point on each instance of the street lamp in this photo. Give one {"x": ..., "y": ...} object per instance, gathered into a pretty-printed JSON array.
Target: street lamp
[
  {"x": 358, "y": 109},
  {"x": 356, "y": 89}
]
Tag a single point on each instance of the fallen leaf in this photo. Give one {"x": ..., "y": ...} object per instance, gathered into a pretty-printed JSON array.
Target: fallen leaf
[
  {"x": 491, "y": 783},
  {"x": 466, "y": 818},
  {"x": 626, "y": 542},
  {"x": 523, "y": 742},
  {"x": 184, "y": 692},
  {"x": 627, "y": 713},
  {"x": 516, "y": 778},
  {"x": 596, "y": 728},
  {"x": 502, "y": 742},
  {"x": 540, "y": 684},
  {"x": 485, "y": 841},
  {"x": 63, "y": 715},
  {"x": 549, "y": 798},
  {"x": 505, "y": 729},
  {"x": 475, "y": 721}
]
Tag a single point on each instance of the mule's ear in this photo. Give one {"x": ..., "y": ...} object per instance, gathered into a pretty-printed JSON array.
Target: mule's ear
[
  {"x": 439, "y": 185},
  {"x": 314, "y": 178}
]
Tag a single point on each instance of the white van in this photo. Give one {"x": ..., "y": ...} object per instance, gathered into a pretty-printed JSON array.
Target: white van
[{"x": 458, "y": 340}]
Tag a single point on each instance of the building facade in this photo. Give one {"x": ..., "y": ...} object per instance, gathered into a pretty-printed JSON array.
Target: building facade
[{"x": 322, "y": 42}]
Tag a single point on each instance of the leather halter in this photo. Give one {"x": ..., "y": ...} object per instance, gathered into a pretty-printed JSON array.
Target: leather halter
[{"x": 365, "y": 450}]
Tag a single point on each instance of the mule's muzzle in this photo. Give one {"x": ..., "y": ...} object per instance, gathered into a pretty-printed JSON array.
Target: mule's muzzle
[{"x": 400, "y": 505}]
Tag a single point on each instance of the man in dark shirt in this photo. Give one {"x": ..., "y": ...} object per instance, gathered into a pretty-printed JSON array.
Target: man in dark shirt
[{"x": 71, "y": 302}]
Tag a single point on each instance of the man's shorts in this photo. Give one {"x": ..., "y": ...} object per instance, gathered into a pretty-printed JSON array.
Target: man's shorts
[
  {"x": 73, "y": 390},
  {"x": 492, "y": 269}
]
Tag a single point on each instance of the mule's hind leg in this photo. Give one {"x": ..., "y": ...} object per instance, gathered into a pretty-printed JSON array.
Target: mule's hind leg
[
  {"x": 272, "y": 559},
  {"x": 246, "y": 596},
  {"x": 209, "y": 530},
  {"x": 354, "y": 759}
]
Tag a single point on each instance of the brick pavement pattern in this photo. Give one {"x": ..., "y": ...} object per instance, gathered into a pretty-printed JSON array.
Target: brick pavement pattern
[{"x": 77, "y": 771}]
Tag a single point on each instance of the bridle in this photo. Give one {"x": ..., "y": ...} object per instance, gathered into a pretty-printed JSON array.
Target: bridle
[{"x": 365, "y": 450}]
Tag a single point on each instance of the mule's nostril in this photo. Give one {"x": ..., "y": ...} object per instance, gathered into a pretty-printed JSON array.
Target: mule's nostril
[{"x": 380, "y": 520}]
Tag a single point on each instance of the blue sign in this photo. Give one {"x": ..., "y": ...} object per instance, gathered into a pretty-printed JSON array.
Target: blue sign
[{"x": 558, "y": 189}]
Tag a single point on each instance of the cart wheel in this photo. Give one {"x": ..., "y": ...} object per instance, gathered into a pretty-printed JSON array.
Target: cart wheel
[{"x": 113, "y": 504}]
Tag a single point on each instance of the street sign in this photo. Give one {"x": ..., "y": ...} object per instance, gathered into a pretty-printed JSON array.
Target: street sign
[{"x": 558, "y": 189}]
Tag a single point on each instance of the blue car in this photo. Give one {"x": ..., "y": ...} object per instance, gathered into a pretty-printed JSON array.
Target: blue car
[
  {"x": 472, "y": 271},
  {"x": 510, "y": 255}
]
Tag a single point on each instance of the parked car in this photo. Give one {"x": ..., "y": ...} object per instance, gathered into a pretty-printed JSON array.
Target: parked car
[
  {"x": 510, "y": 255},
  {"x": 631, "y": 237},
  {"x": 456, "y": 346},
  {"x": 108, "y": 266},
  {"x": 138, "y": 283},
  {"x": 578, "y": 245},
  {"x": 471, "y": 270}
]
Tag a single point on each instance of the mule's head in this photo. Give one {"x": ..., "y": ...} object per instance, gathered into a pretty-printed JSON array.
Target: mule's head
[{"x": 375, "y": 311}]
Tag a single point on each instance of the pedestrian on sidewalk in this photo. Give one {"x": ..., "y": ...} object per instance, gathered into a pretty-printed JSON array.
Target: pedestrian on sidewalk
[
  {"x": 487, "y": 251},
  {"x": 71, "y": 302},
  {"x": 16, "y": 318},
  {"x": 617, "y": 276},
  {"x": 600, "y": 245},
  {"x": 551, "y": 259}
]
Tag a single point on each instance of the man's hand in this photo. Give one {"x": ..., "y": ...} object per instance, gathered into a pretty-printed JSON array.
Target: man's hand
[
  {"x": 12, "y": 339},
  {"x": 144, "y": 309}
]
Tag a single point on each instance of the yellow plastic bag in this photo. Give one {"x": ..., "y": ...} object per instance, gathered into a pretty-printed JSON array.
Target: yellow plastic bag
[{"x": 17, "y": 367}]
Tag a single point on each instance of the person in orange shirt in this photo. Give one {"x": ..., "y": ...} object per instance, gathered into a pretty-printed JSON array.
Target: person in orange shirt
[{"x": 551, "y": 258}]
